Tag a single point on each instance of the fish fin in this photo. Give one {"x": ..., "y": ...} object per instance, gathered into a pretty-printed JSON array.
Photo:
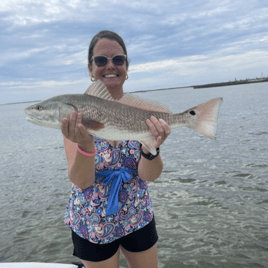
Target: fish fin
[
  {"x": 149, "y": 144},
  {"x": 92, "y": 124},
  {"x": 204, "y": 117},
  {"x": 139, "y": 103},
  {"x": 98, "y": 89}
]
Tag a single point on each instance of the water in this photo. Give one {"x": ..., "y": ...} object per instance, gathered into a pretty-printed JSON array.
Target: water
[{"x": 210, "y": 202}]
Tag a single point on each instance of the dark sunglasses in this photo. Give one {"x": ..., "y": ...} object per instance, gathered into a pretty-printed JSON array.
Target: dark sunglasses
[{"x": 101, "y": 61}]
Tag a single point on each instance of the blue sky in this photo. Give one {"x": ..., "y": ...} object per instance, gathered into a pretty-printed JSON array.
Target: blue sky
[{"x": 43, "y": 48}]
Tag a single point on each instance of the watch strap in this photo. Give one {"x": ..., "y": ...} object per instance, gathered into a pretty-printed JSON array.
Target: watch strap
[{"x": 150, "y": 156}]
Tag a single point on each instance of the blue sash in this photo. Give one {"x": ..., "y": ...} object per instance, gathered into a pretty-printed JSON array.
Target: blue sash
[{"x": 116, "y": 177}]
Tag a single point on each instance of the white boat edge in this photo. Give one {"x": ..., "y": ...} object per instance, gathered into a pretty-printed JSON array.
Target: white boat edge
[{"x": 35, "y": 265}]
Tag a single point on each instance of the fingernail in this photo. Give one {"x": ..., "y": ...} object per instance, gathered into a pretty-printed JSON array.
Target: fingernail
[{"x": 162, "y": 121}]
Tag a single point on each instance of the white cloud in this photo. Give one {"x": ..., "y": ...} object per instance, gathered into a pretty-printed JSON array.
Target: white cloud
[
  {"x": 44, "y": 43},
  {"x": 28, "y": 12},
  {"x": 16, "y": 55},
  {"x": 77, "y": 59},
  {"x": 188, "y": 65},
  {"x": 40, "y": 84}
]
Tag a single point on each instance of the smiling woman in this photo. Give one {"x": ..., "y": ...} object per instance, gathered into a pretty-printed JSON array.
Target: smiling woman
[
  {"x": 107, "y": 61},
  {"x": 111, "y": 74},
  {"x": 110, "y": 209}
]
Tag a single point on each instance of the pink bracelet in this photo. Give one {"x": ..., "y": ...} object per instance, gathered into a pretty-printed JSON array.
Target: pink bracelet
[{"x": 84, "y": 153}]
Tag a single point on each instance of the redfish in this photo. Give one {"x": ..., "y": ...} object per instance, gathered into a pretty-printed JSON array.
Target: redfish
[{"x": 122, "y": 119}]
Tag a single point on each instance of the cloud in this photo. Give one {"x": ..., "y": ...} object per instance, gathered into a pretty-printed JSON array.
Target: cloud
[
  {"x": 194, "y": 70},
  {"x": 39, "y": 84},
  {"x": 25, "y": 12},
  {"x": 170, "y": 43},
  {"x": 221, "y": 59},
  {"x": 18, "y": 54}
]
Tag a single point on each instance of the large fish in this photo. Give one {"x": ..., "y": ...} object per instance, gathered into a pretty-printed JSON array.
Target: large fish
[{"x": 125, "y": 119}]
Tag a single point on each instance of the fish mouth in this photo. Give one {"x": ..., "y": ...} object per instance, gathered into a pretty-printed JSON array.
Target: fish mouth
[
  {"x": 33, "y": 119},
  {"x": 42, "y": 123}
]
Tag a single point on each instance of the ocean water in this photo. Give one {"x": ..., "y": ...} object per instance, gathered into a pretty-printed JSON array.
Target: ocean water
[{"x": 210, "y": 202}]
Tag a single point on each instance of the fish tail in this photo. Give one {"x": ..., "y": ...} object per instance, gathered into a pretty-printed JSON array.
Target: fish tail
[{"x": 203, "y": 118}]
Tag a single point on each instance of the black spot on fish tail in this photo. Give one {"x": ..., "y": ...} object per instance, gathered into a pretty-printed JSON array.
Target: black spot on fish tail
[{"x": 192, "y": 112}]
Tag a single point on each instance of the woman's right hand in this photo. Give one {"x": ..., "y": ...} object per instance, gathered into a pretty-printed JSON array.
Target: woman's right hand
[{"x": 74, "y": 131}]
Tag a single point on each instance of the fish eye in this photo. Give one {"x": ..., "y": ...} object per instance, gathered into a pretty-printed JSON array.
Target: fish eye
[
  {"x": 38, "y": 107},
  {"x": 192, "y": 112}
]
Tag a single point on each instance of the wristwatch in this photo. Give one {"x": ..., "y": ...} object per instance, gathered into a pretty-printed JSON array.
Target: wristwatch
[{"x": 150, "y": 156}]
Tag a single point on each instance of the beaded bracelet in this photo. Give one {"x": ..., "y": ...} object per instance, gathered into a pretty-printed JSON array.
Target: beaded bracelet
[{"x": 84, "y": 153}]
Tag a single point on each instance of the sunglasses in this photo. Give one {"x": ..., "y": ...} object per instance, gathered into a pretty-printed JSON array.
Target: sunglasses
[{"x": 101, "y": 61}]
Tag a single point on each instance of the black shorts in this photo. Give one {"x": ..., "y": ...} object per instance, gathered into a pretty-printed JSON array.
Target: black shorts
[{"x": 137, "y": 241}]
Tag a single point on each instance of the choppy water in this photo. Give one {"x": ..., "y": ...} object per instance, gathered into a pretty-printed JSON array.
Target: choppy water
[{"x": 210, "y": 203}]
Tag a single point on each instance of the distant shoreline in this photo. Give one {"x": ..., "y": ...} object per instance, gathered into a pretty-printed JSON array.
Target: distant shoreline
[
  {"x": 220, "y": 84},
  {"x": 231, "y": 83},
  {"x": 19, "y": 102}
]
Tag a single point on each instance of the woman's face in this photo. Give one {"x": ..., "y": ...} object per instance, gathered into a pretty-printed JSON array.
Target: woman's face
[{"x": 113, "y": 76}]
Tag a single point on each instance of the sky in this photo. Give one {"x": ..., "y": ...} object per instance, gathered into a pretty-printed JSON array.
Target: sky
[{"x": 171, "y": 43}]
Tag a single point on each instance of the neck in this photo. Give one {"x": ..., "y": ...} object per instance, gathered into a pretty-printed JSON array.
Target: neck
[{"x": 116, "y": 93}]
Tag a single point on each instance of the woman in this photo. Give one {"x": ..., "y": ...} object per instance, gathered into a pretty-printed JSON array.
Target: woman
[{"x": 100, "y": 231}]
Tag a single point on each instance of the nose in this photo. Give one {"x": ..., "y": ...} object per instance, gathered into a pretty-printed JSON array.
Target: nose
[{"x": 110, "y": 64}]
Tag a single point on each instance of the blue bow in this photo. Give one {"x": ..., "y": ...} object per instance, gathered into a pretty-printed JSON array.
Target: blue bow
[{"x": 116, "y": 177}]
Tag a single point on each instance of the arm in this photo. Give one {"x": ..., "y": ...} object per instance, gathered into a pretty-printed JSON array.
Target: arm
[
  {"x": 81, "y": 169},
  {"x": 150, "y": 170}
]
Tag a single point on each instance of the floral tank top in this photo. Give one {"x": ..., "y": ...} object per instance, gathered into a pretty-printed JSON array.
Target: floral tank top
[{"x": 90, "y": 212}]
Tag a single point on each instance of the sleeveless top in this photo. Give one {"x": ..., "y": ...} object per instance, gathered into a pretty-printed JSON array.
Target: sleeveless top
[{"x": 89, "y": 213}]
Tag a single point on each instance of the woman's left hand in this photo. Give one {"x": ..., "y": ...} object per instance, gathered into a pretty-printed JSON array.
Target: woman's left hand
[{"x": 159, "y": 129}]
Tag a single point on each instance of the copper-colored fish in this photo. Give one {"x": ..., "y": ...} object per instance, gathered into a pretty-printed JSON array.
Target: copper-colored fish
[{"x": 125, "y": 119}]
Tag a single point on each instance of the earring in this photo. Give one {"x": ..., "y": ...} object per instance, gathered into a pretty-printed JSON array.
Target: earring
[
  {"x": 126, "y": 77},
  {"x": 92, "y": 79}
]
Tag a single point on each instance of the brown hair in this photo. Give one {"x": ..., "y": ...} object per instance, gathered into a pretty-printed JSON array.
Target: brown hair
[{"x": 109, "y": 35}]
